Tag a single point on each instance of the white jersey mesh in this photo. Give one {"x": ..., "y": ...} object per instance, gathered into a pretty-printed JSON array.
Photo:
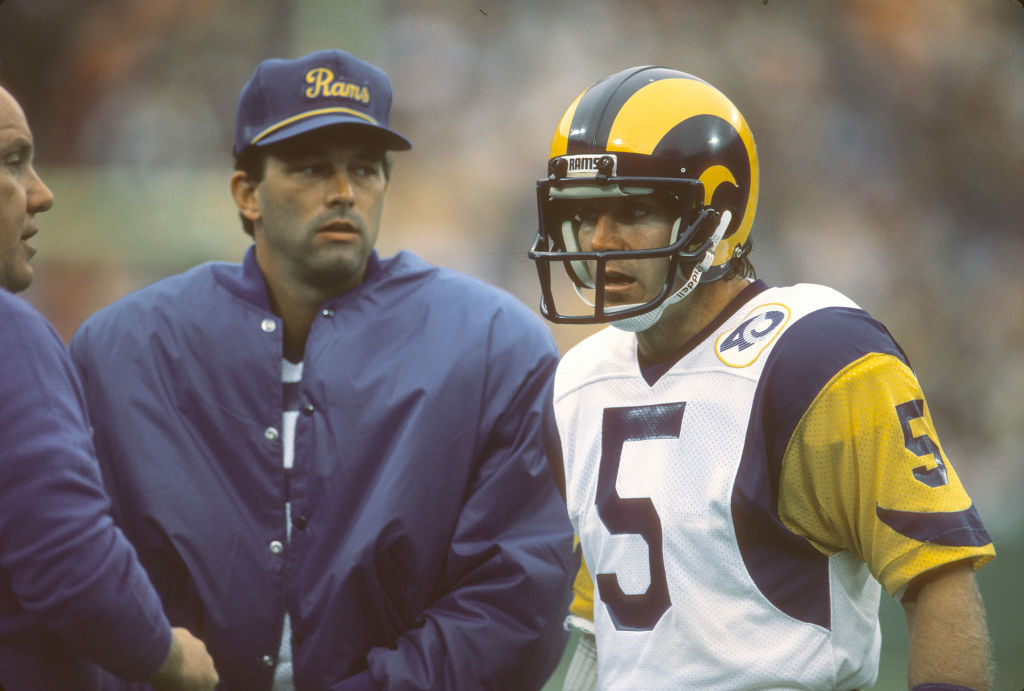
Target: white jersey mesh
[{"x": 719, "y": 632}]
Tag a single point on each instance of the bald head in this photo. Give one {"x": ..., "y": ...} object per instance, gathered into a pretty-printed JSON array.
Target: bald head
[{"x": 22, "y": 196}]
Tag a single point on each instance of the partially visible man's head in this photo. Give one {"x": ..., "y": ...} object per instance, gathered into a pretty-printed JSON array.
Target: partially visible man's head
[{"x": 22, "y": 195}]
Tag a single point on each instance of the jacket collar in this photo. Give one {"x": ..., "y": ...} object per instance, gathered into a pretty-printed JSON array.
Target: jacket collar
[{"x": 246, "y": 281}]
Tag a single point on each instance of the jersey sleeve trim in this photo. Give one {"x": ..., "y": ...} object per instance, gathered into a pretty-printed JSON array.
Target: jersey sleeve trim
[{"x": 948, "y": 528}]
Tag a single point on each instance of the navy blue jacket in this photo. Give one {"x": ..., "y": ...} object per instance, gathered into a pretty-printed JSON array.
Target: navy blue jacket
[
  {"x": 71, "y": 588},
  {"x": 430, "y": 546}
]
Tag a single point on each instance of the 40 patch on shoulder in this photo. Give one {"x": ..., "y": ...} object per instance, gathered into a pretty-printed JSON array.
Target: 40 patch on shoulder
[{"x": 742, "y": 345}]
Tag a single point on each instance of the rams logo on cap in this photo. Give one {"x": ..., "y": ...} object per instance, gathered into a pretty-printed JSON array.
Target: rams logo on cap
[{"x": 322, "y": 79}]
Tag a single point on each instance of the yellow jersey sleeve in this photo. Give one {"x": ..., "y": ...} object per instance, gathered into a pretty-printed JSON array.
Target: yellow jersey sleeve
[
  {"x": 582, "y": 592},
  {"x": 864, "y": 471}
]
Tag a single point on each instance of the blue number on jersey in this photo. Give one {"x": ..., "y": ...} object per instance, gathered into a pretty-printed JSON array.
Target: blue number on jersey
[
  {"x": 921, "y": 445},
  {"x": 640, "y": 612}
]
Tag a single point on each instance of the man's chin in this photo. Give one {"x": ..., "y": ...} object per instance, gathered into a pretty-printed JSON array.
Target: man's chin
[
  {"x": 336, "y": 276},
  {"x": 18, "y": 280}
]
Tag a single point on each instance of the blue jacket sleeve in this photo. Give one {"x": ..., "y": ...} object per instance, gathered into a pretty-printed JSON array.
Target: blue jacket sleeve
[
  {"x": 510, "y": 564},
  {"x": 68, "y": 567}
]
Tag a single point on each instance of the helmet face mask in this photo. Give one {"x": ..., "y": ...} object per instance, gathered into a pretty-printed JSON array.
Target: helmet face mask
[
  {"x": 646, "y": 131},
  {"x": 557, "y": 241}
]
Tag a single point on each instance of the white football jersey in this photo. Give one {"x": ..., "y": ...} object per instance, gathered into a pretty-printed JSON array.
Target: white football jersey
[{"x": 738, "y": 507}]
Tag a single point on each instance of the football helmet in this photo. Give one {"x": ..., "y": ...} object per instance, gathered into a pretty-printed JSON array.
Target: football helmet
[{"x": 647, "y": 130}]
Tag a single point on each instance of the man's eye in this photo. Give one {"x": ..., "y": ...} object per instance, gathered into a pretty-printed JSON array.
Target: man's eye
[
  {"x": 585, "y": 218},
  {"x": 14, "y": 161},
  {"x": 316, "y": 168},
  {"x": 368, "y": 170},
  {"x": 635, "y": 212}
]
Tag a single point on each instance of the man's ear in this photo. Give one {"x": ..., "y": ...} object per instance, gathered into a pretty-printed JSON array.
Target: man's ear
[{"x": 243, "y": 190}]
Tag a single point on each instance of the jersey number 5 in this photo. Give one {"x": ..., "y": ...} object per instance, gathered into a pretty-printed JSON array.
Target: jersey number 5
[
  {"x": 922, "y": 445},
  {"x": 634, "y": 612}
]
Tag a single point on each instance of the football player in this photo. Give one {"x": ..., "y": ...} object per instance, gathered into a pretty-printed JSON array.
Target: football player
[{"x": 747, "y": 467}]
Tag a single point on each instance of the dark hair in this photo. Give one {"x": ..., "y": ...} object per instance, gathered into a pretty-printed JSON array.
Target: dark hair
[
  {"x": 253, "y": 162},
  {"x": 742, "y": 267}
]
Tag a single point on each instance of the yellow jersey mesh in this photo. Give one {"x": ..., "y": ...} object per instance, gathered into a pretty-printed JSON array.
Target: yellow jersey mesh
[
  {"x": 583, "y": 594},
  {"x": 850, "y": 456}
]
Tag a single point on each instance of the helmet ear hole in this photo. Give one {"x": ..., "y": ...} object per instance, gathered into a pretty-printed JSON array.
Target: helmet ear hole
[{"x": 707, "y": 226}]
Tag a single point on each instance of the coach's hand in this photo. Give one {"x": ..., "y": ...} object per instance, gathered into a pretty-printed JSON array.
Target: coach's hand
[{"x": 188, "y": 666}]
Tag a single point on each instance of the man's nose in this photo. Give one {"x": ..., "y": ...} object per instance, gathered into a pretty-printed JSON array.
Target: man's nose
[
  {"x": 339, "y": 189},
  {"x": 40, "y": 198},
  {"x": 606, "y": 235}
]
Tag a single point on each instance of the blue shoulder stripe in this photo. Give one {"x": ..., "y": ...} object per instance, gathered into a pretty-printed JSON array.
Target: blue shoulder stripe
[
  {"x": 949, "y": 528},
  {"x": 808, "y": 355},
  {"x": 786, "y": 568}
]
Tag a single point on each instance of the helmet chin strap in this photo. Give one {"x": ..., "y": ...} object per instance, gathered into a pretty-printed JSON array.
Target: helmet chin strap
[{"x": 642, "y": 322}]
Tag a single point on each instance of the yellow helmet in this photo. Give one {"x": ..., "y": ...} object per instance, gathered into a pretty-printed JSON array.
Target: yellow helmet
[{"x": 644, "y": 130}]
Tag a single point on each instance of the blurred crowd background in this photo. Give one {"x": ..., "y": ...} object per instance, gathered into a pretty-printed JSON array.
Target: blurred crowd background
[{"x": 890, "y": 133}]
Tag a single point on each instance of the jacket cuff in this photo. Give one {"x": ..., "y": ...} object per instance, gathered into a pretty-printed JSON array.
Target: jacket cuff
[{"x": 151, "y": 657}]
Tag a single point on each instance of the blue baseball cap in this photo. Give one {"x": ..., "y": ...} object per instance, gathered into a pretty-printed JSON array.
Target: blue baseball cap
[{"x": 285, "y": 98}]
